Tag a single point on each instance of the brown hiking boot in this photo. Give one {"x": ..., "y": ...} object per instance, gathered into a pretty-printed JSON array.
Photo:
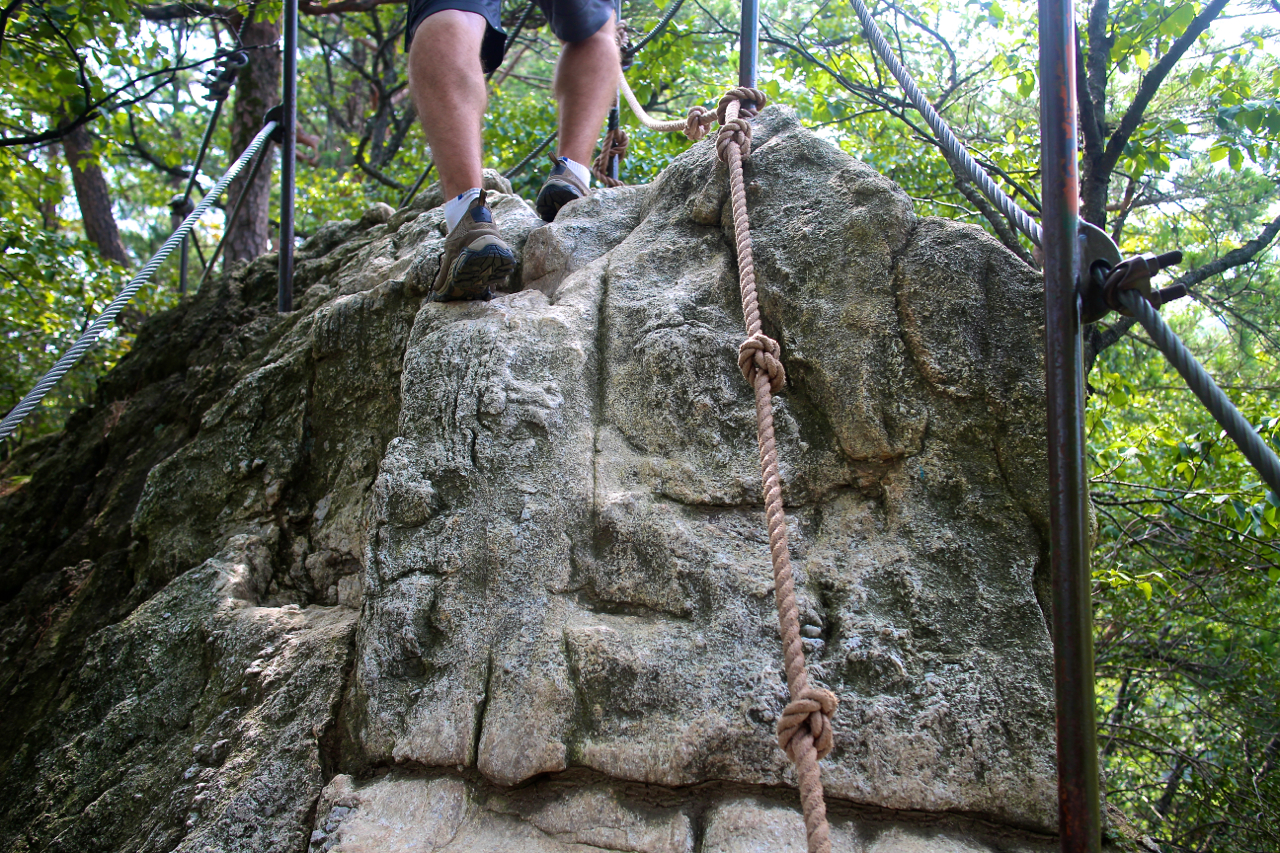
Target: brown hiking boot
[
  {"x": 475, "y": 259},
  {"x": 561, "y": 188}
]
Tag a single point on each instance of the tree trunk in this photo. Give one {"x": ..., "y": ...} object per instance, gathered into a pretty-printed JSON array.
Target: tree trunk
[
  {"x": 93, "y": 196},
  {"x": 257, "y": 90}
]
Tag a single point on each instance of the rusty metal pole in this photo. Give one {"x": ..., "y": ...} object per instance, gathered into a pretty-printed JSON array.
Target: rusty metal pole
[
  {"x": 288, "y": 158},
  {"x": 1078, "y": 803},
  {"x": 615, "y": 114},
  {"x": 748, "y": 44}
]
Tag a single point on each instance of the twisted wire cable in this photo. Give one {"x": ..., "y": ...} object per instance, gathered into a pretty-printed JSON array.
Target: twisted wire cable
[
  {"x": 630, "y": 52},
  {"x": 954, "y": 146},
  {"x": 235, "y": 213},
  {"x": 1261, "y": 457},
  {"x": 542, "y": 146},
  {"x": 103, "y": 320}
]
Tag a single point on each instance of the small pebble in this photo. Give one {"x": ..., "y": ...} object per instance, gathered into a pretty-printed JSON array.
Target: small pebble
[{"x": 811, "y": 631}]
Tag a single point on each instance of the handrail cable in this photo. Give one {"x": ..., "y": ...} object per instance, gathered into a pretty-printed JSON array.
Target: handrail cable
[
  {"x": 235, "y": 213},
  {"x": 542, "y": 146},
  {"x": 946, "y": 138},
  {"x": 629, "y": 53},
  {"x": 103, "y": 320},
  {"x": 1261, "y": 457}
]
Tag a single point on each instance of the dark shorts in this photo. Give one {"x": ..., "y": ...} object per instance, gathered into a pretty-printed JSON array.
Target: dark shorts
[{"x": 571, "y": 21}]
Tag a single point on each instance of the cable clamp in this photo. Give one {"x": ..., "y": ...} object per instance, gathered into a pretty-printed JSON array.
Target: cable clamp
[
  {"x": 220, "y": 80},
  {"x": 181, "y": 206},
  {"x": 1135, "y": 274},
  {"x": 1103, "y": 275},
  {"x": 275, "y": 114}
]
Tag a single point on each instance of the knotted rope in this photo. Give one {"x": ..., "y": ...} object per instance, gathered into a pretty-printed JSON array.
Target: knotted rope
[
  {"x": 614, "y": 145},
  {"x": 695, "y": 126},
  {"x": 804, "y": 732}
]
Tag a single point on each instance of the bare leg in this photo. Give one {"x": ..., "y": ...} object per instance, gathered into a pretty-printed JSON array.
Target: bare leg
[
  {"x": 449, "y": 91},
  {"x": 586, "y": 84}
]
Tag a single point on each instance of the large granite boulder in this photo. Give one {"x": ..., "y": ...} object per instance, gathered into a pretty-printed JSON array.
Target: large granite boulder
[{"x": 386, "y": 574}]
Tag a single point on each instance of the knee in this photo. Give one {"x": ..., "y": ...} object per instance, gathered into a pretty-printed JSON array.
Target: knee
[{"x": 452, "y": 25}]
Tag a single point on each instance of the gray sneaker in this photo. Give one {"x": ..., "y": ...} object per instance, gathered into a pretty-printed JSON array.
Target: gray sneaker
[
  {"x": 561, "y": 188},
  {"x": 475, "y": 260}
]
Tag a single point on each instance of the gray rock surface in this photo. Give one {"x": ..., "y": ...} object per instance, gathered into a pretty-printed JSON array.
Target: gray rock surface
[{"x": 397, "y": 575}]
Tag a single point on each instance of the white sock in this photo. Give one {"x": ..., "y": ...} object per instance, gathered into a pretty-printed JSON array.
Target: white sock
[
  {"x": 455, "y": 207},
  {"x": 583, "y": 172}
]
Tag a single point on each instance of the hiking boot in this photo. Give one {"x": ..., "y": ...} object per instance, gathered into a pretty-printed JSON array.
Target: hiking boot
[
  {"x": 475, "y": 260},
  {"x": 561, "y": 188}
]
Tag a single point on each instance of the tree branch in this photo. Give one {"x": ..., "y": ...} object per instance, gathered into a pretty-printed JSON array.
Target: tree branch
[
  {"x": 1151, "y": 83},
  {"x": 373, "y": 172},
  {"x": 1090, "y": 122},
  {"x": 92, "y": 110},
  {"x": 182, "y": 11},
  {"x": 5, "y": 14},
  {"x": 140, "y": 150},
  {"x": 1234, "y": 258}
]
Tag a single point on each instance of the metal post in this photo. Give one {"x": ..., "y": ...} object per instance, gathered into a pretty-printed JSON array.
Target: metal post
[
  {"x": 748, "y": 42},
  {"x": 615, "y": 114},
  {"x": 288, "y": 146},
  {"x": 1078, "y": 820}
]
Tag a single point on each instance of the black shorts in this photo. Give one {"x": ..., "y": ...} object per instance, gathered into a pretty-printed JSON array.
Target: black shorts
[{"x": 571, "y": 21}]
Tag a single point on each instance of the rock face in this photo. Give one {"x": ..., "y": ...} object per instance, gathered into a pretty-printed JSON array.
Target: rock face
[{"x": 387, "y": 575}]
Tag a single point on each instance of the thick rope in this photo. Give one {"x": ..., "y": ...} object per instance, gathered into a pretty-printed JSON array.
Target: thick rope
[
  {"x": 1261, "y": 457},
  {"x": 804, "y": 732},
  {"x": 103, "y": 320},
  {"x": 614, "y": 145},
  {"x": 954, "y": 146},
  {"x": 695, "y": 126}
]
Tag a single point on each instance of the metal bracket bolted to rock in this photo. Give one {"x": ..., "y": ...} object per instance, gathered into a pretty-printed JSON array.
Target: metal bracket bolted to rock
[{"x": 804, "y": 731}]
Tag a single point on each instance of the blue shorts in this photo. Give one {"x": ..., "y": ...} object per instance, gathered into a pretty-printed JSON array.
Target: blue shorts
[{"x": 571, "y": 21}]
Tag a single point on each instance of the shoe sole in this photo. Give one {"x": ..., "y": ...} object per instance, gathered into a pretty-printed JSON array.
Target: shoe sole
[
  {"x": 477, "y": 270},
  {"x": 553, "y": 197}
]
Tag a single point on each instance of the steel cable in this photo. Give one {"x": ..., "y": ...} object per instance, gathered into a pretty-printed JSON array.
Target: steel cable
[
  {"x": 631, "y": 52},
  {"x": 103, "y": 320},
  {"x": 542, "y": 146},
  {"x": 235, "y": 213},
  {"x": 948, "y": 139},
  {"x": 1261, "y": 457}
]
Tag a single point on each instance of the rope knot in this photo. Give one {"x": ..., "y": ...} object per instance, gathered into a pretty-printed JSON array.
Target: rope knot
[
  {"x": 744, "y": 96},
  {"x": 614, "y": 145},
  {"x": 809, "y": 714},
  {"x": 736, "y": 132},
  {"x": 698, "y": 123},
  {"x": 761, "y": 352}
]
